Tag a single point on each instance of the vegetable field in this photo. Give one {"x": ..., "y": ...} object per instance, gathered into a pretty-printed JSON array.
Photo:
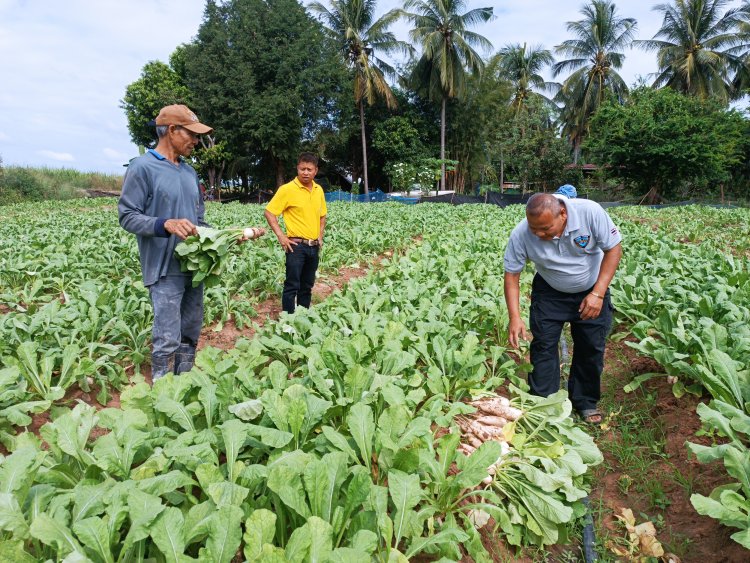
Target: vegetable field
[{"x": 372, "y": 427}]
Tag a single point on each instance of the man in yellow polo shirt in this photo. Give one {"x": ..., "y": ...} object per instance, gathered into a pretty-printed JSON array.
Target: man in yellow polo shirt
[{"x": 303, "y": 206}]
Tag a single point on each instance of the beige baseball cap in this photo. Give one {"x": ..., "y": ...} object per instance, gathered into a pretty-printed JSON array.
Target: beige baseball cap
[{"x": 178, "y": 114}]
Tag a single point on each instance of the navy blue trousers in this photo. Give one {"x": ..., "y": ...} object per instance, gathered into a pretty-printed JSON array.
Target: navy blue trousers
[
  {"x": 301, "y": 265},
  {"x": 550, "y": 310}
]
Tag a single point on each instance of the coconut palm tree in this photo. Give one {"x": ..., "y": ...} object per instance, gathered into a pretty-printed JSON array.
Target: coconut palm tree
[
  {"x": 694, "y": 47},
  {"x": 595, "y": 55},
  {"x": 740, "y": 61},
  {"x": 360, "y": 36},
  {"x": 447, "y": 50},
  {"x": 522, "y": 66}
]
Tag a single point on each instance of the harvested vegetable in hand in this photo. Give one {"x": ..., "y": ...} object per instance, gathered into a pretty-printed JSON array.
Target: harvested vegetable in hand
[{"x": 204, "y": 254}]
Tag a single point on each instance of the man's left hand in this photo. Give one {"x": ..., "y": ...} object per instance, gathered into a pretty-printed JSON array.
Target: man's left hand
[
  {"x": 320, "y": 242},
  {"x": 590, "y": 307}
]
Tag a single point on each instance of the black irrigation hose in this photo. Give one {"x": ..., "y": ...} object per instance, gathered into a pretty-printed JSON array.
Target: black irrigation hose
[{"x": 589, "y": 537}]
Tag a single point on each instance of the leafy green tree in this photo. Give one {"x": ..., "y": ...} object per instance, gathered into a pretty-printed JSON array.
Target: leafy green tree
[
  {"x": 360, "y": 36},
  {"x": 265, "y": 77},
  {"x": 533, "y": 152},
  {"x": 693, "y": 47},
  {"x": 473, "y": 121},
  {"x": 447, "y": 50},
  {"x": 739, "y": 60},
  {"x": 662, "y": 141},
  {"x": 211, "y": 160},
  {"x": 398, "y": 140},
  {"x": 595, "y": 55},
  {"x": 341, "y": 143},
  {"x": 523, "y": 67},
  {"x": 158, "y": 86}
]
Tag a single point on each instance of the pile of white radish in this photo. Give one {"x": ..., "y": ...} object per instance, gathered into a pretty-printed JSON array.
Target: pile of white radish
[{"x": 493, "y": 414}]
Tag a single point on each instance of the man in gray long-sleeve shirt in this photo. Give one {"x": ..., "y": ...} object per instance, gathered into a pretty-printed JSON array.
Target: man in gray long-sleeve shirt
[{"x": 161, "y": 204}]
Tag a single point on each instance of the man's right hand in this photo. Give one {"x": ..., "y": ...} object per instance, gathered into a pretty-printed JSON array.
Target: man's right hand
[
  {"x": 286, "y": 243},
  {"x": 516, "y": 329},
  {"x": 181, "y": 228}
]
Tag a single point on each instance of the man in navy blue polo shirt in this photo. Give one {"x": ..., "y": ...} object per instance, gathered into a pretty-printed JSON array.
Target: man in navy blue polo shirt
[{"x": 576, "y": 249}]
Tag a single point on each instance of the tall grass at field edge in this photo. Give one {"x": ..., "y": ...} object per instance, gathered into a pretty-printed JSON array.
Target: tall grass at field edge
[{"x": 19, "y": 184}]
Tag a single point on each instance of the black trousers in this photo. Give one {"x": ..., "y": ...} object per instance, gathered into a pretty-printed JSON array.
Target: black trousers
[
  {"x": 301, "y": 265},
  {"x": 550, "y": 310}
]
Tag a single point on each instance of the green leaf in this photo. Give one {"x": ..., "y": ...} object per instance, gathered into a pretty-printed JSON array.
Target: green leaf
[
  {"x": 208, "y": 474},
  {"x": 225, "y": 534},
  {"x": 738, "y": 466},
  {"x": 94, "y": 535},
  {"x": 312, "y": 542},
  {"x": 365, "y": 541},
  {"x": 707, "y": 506},
  {"x": 270, "y": 437},
  {"x": 348, "y": 555},
  {"x": 177, "y": 412},
  {"x": 260, "y": 529},
  {"x": 18, "y": 469},
  {"x": 197, "y": 521},
  {"x": 227, "y": 494},
  {"x": 248, "y": 410},
  {"x": 405, "y": 492},
  {"x": 14, "y": 551},
  {"x": 338, "y": 441},
  {"x": 54, "y": 534},
  {"x": 323, "y": 480},
  {"x": 742, "y": 538},
  {"x": 162, "y": 484},
  {"x": 207, "y": 397},
  {"x": 321, "y": 536},
  {"x": 298, "y": 546},
  {"x": 234, "y": 434},
  {"x": 143, "y": 509},
  {"x": 168, "y": 534},
  {"x": 474, "y": 467},
  {"x": 117, "y": 458},
  {"x": 287, "y": 484},
  {"x": 90, "y": 499},
  {"x": 11, "y": 518},
  {"x": 362, "y": 428},
  {"x": 450, "y": 535}
]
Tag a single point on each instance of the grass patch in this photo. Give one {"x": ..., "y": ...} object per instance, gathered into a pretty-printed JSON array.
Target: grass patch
[{"x": 19, "y": 184}]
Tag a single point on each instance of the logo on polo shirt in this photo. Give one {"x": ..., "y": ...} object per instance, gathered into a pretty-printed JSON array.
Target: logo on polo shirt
[{"x": 582, "y": 240}]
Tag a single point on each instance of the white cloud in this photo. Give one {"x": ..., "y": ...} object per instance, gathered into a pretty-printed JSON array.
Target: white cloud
[
  {"x": 4, "y": 136},
  {"x": 59, "y": 156},
  {"x": 113, "y": 154}
]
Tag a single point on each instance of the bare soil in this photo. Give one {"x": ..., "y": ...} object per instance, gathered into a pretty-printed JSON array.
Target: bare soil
[{"x": 673, "y": 477}]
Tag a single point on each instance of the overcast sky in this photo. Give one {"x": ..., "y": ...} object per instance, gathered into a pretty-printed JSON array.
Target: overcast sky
[{"x": 65, "y": 64}]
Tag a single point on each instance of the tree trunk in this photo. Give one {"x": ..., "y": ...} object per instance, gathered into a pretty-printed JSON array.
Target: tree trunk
[
  {"x": 502, "y": 171},
  {"x": 652, "y": 197},
  {"x": 442, "y": 146},
  {"x": 364, "y": 148},
  {"x": 218, "y": 179},
  {"x": 279, "y": 171}
]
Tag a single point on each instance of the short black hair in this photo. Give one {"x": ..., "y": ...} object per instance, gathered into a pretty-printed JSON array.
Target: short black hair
[
  {"x": 539, "y": 203},
  {"x": 312, "y": 158}
]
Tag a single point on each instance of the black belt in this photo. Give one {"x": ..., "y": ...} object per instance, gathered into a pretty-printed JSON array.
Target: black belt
[{"x": 306, "y": 241}]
